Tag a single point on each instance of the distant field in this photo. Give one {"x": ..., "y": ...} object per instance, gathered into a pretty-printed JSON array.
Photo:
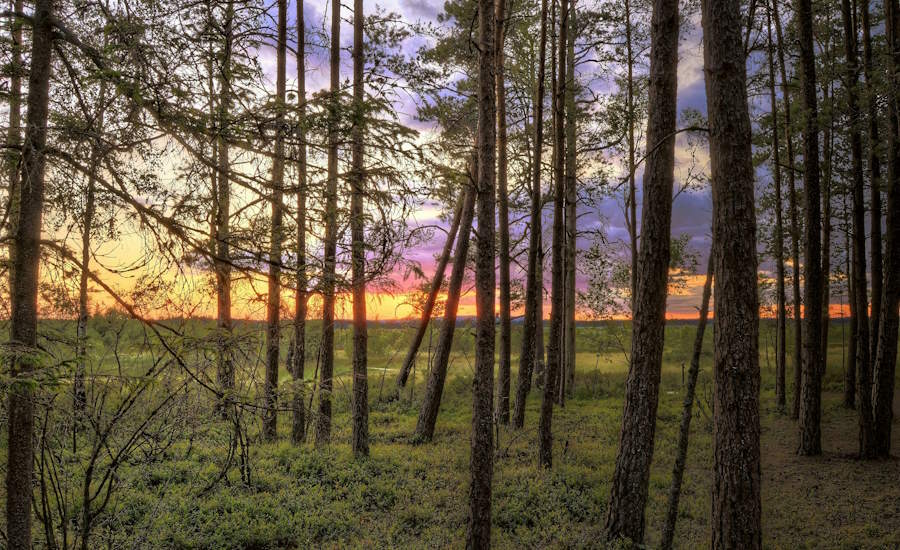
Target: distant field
[{"x": 408, "y": 496}]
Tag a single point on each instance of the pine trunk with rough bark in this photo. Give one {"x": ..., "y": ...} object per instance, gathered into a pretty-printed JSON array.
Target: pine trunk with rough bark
[
  {"x": 736, "y": 501},
  {"x": 532, "y": 322},
  {"x": 886, "y": 360},
  {"x": 503, "y": 220},
  {"x": 571, "y": 211},
  {"x": 864, "y": 365},
  {"x": 360, "y": 401},
  {"x": 687, "y": 408},
  {"x": 813, "y": 364},
  {"x": 24, "y": 276},
  {"x": 478, "y": 534},
  {"x": 222, "y": 229},
  {"x": 874, "y": 143},
  {"x": 554, "y": 351},
  {"x": 273, "y": 305},
  {"x": 326, "y": 382},
  {"x": 433, "y": 291},
  {"x": 628, "y": 498},
  {"x": 434, "y": 389},
  {"x": 781, "y": 313},
  {"x": 793, "y": 206},
  {"x": 298, "y": 429}
]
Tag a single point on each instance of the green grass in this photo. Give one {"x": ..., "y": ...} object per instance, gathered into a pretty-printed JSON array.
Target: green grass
[{"x": 415, "y": 496}]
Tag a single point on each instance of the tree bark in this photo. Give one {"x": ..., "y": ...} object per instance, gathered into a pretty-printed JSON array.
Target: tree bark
[
  {"x": 298, "y": 430},
  {"x": 794, "y": 212},
  {"x": 864, "y": 381},
  {"x": 877, "y": 267},
  {"x": 478, "y": 535},
  {"x": 827, "y": 157},
  {"x": 813, "y": 364},
  {"x": 571, "y": 210},
  {"x": 628, "y": 497},
  {"x": 781, "y": 314},
  {"x": 323, "y": 422},
  {"x": 273, "y": 306},
  {"x": 222, "y": 261},
  {"x": 435, "y": 288},
  {"x": 886, "y": 361},
  {"x": 554, "y": 351},
  {"x": 736, "y": 506},
  {"x": 632, "y": 186},
  {"x": 850, "y": 373},
  {"x": 435, "y": 388},
  {"x": 532, "y": 322},
  {"x": 503, "y": 222},
  {"x": 360, "y": 401},
  {"x": 24, "y": 276},
  {"x": 668, "y": 533}
]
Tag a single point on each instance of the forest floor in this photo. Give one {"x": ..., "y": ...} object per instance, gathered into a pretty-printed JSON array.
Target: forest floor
[{"x": 415, "y": 496}]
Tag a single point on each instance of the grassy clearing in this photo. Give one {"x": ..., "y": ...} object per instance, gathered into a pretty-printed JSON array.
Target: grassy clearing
[{"x": 408, "y": 496}]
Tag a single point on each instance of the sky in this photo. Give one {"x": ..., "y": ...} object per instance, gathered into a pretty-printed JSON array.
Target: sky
[{"x": 691, "y": 212}]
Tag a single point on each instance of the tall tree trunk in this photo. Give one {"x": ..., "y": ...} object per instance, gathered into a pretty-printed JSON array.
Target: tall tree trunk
[
  {"x": 811, "y": 383},
  {"x": 323, "y": 422},
  {"x": 298, "y": 431},
  {"x": 628, "y": 498},
  {"x": 631, "y": 202},
  {"x": 222, "y": 261},
  {"x": 434, "y": 289},
  {"x": 827, "y": 154},
  {"x": 273, "y": 306},
  {"x": 571, "y": 209},
  {"x": 886, "y": 361},
  {"x": 26, "y": 246},
  {"x": 78, "y": 384},
  {"x": 14, "y": 131},
  {"x": 850, "y": 373},
  {"x": 503, "y": 222},
  {"x": 736, "y": 506},
  {"x": 668, "y": 533},
  {"x": 864, "y": 381},
  {"x": 360, "y": 401},
  {"x": 781, "y": 314},
  {"x": 877, "y": 267},
  {"x": 793, "y": 206},
  {"x": 478, "y": 535},
  {"x": 435, "y": 388},
  {"x": 554, "y": 353},
  {"x": 532, "y": 322}
]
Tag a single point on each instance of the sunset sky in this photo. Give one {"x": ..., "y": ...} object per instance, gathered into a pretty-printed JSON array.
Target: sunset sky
[{"x": 691, "y": 210}]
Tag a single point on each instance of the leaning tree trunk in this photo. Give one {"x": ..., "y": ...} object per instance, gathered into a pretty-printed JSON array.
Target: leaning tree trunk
[
  {"x": 435, "y": 387},
  {"x": 433, "y": 291},
  {"x": 360, "y": 400},
  {"x": 813, "y": 364},
  {"x": 864, "y": 381},
  {"x": 668, "y": 533},
  {"x": 532, "y": 322},
  {"x": 298, "y": 430},
  {"x": 554, "y": 351},
  {"x": 781, "y": 314},
  {"x": 886, "y": 361},
  {"x": 273, "y": 305},
  {"x": 571, "y": 210},
  {"x": 877, "y": 267},
  {"x": 326, "y": 382},
  {"x": 794, "y": 212},
  {"x": 503, "y": 221},
  {"x": 481, "y": 462},
  {"x": 736, "y": 506},
  {"x": 26, "y": 247},
  {"x": 628, "y": 498}
]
